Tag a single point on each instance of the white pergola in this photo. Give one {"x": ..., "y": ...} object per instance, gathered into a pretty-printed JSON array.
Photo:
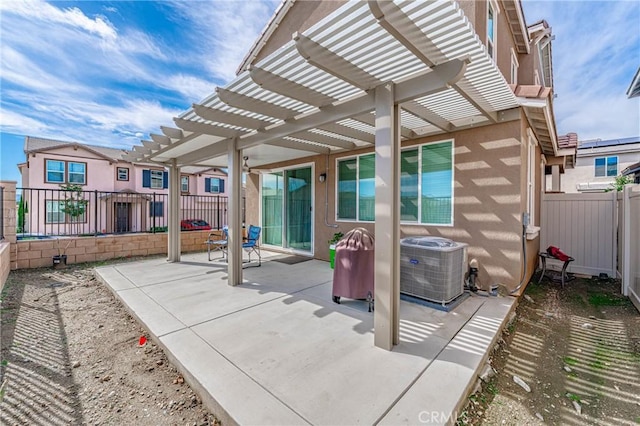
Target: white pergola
[{"x": 369, "y": 74}]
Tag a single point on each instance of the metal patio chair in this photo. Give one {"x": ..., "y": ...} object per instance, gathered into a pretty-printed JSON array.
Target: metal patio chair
[
  {"x": 251, "y": 244},
  {"x": 217, "y": 243}
]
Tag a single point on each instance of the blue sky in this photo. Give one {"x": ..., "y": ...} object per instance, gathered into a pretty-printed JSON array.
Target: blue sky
[{"x": 110, "y": 73}]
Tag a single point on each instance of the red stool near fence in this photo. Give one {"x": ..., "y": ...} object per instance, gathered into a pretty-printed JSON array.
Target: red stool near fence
[{"x": 555, "y": 253}]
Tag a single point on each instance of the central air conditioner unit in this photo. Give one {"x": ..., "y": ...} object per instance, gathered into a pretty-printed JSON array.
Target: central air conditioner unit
[{"x": 432, "y": 268}]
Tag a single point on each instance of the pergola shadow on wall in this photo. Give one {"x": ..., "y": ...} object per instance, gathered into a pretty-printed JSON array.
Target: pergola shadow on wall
[{"x": 369, "y": 74}]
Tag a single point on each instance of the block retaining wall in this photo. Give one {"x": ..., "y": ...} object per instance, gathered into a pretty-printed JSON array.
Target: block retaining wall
[{"x": 39, "y": 253}]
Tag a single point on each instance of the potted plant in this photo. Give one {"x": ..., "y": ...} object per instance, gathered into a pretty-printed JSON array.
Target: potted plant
[
  {"x": 60, "y": 259},
  {"x": 332, "y": 247}
]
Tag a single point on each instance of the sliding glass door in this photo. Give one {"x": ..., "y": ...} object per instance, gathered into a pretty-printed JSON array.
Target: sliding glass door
[{"x": 287, "y": 202}]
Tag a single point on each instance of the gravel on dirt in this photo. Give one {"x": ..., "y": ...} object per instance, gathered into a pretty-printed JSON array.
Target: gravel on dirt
[{"x": 71, "y": 354}]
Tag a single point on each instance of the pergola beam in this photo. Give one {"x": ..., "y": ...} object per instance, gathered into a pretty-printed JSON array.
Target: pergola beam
[
  {"x": 274, "y": 83},
  {"x": 421, "y": 85},
  {"x": 150, "y": 144},
  {"x": 161, "y": 139},
  {"x": 426, "y": 114},
  {"x": 207, "y": 129},
  {"x": 300, "y": 146},
  {"x": 348, "y": 132},
  {"x": 324, "y": 59},
  {"x": 172, "y": 132},
  {"x": 247, "y": 103},
  {"x": 402, "y": 28},
  {"x": 219, "y": 116},
  {"x": 370, "y": 120},
  {"x": 323, "y": 139}
]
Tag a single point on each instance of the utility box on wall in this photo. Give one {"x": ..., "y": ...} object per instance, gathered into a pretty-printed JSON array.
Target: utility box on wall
[{"x": 432, "y": 268}]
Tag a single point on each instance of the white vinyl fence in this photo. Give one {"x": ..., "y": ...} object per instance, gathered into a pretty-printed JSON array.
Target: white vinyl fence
[
  {"x": 584, "y": 226},
  {"x": 630, "y": 243}
]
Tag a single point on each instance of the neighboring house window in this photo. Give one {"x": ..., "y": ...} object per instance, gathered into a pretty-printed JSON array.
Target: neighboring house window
[
  {"x": 514, "y": 67},
  {"x": 156, "y": 208},
  {"x": 77, "y": 173},
  {"x": 184, "y": 183},
  {"x": 606, "y": 166},
  {"x": 123, "y": 173},
  {"x": 356, "y": 188},
  {"x": 155, "y": 179},
  {"x": 55, "y": 171},
  {"x": 214, "y": 185},
  {"x": 54, "y": 212},
  {"x": 426, "y": 184},
  {"x": 491, "y": 29}
]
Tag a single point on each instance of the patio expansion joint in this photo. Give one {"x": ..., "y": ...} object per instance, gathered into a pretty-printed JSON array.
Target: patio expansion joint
[
  {"x": 435, "y": 357},
  {"x": 143, "y": 323}
]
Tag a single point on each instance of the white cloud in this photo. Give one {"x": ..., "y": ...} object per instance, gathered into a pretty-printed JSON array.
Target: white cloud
[
  {"x": 70, "y": 17},
  {"x": 592, "y": 64},
  {"x": 223, "y": 33}
]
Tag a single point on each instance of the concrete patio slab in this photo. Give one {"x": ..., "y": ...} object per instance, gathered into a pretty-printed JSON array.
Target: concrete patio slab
[{"x": 277, "y": 350}]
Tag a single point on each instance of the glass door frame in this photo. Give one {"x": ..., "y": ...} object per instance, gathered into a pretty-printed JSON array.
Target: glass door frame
[{"x": 283, "y": 170}]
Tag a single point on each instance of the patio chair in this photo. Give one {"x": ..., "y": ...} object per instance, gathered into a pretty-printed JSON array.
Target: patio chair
[
  {"x": 251, "y": 244},
  {"x": 214, "y": 242}
]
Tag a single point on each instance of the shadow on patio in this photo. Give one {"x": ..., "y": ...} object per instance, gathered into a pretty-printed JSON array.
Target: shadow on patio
[{"x": 277, "y": 350}]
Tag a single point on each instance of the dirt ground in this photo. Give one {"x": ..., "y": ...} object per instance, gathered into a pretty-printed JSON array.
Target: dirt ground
[
  {"x": 71, "y": 354},
  {"x": 577, "y": 349}
]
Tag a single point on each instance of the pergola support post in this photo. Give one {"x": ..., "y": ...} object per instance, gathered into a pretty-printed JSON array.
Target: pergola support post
[
  {"x": 234, "y": 212},
  {"x": 386, "y": 318},
  {"x": 174, "y": 213}
]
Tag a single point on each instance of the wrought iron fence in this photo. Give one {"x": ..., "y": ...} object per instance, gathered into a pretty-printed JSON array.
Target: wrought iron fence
[{"x": 54, "y": 212}]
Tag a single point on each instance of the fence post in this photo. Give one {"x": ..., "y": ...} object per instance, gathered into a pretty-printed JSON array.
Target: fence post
[
  {"x": 153, "y": 214},
  {"x": 218, "y": 210},
  {"x": 623, "y": 230},
  {"x": 95, "y": 212}
]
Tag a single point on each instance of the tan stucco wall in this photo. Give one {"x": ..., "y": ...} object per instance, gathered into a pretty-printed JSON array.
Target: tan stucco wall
[
  {"x": 39, "y": 253},
  {"x": 488, "y": 200},
  {"x": 5, "y": 262}
]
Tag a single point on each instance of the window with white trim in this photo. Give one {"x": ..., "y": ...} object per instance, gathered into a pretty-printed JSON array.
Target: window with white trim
[
  {"x": 54, "y": 171},
  {"x": 492, "y": 23},
  {"x": 77, "y": 173},
  {"x": 356, "y": 188},
  {"x": 123, "y": 174},
  {"x": 157, "y": 179},
  {"x": 426, "y": 185},
  {"x": 54, "y": 212},
  {"x": 606, "y": 166},
  {"x": 514, "y": 67},
  {"x": 184, "y": 183}
]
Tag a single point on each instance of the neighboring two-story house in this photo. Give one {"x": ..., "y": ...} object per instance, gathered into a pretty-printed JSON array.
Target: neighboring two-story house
[
  {"x": 119, "y": 196},
  {"x": 598, "y": 163}
]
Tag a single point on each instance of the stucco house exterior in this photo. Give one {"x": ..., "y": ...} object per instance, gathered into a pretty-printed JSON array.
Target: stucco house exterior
[
  {"x": 598, "y": 163},
  {"x": 406, "y": 118},
  {"x": 122, "y": 196}
]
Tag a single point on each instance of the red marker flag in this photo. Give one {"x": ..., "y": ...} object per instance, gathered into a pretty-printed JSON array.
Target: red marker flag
[{"x": 143, "y": 341}]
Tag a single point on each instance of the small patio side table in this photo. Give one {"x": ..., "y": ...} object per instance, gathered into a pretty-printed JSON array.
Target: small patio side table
[{"x": 564, "y": 275}]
